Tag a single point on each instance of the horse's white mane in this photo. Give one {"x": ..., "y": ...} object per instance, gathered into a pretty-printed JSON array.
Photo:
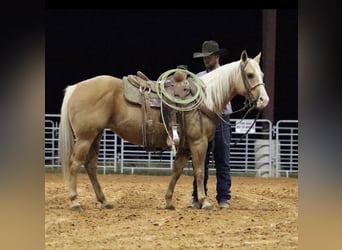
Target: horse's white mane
[{"x": 218, "y": 85}]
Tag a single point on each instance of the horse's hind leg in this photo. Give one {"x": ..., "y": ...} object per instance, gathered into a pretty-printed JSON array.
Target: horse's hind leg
[
  {"x": 80, "y": 151},
  {"x": 180, "y": 161},
  {"x": 91, "y": 167}
]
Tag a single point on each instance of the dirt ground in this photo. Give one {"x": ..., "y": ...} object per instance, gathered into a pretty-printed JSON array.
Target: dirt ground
[{"x": 263, "y": 215}]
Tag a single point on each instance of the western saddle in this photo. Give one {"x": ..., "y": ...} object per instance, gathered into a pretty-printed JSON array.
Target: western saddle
[{"x": 139, "y": 89}]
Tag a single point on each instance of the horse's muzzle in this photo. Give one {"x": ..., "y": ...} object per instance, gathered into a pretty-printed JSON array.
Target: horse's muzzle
[{"x": 262, "y": 101}]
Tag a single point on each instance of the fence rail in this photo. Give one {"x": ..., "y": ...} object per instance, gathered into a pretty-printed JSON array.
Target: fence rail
[{"x": 267, "y": 150}]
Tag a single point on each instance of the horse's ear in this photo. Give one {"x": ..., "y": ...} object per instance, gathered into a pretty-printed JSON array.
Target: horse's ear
[
  {"x": 257, "y": 58},
  {"x": 244, "y": 56}
]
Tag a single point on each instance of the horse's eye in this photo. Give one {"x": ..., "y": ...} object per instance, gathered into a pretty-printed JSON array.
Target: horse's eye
[{"x": 250, "y": 75}]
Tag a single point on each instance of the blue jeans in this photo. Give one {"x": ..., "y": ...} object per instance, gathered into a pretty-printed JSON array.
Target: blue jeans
[{"x": 220, "y": 146}]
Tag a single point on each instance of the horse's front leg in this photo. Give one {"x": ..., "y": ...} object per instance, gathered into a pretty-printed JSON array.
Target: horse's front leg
[
  {"x": 198, "y": 152},
  {"x": 180, "y": 161}
]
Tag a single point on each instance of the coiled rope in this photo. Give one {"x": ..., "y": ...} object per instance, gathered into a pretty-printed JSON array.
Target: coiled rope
[{"x": 173, "y": 101}]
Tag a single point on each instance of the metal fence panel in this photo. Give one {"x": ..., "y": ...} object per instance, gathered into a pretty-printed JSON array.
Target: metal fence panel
[
  {"x": 287, "y": 147},
  {"x": 255, "y": 153}
]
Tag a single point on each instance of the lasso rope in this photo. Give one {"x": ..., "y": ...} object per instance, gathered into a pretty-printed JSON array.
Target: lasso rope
[
  {"x": 163, "y": 94},
  {"x": 173, "y": 101}
]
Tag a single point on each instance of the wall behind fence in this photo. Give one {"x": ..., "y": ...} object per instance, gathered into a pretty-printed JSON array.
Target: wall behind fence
[{"x": 266, "y": 151}]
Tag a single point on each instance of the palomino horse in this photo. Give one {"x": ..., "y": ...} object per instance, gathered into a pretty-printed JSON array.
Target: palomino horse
[{"x": 92, "y": 105}]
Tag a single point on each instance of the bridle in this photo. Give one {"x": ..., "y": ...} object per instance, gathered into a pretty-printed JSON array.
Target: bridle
[{"x": 250, "y": 101}]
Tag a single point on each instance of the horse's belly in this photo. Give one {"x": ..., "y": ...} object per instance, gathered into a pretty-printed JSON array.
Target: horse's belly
[{"x": 133, "y": 129}]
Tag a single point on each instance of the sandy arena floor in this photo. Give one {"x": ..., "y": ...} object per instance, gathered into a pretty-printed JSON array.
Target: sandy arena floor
[{"x": 263, "y": 215}]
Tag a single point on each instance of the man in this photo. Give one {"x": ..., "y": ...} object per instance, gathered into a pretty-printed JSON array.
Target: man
[{"x": 220, "y": 145}]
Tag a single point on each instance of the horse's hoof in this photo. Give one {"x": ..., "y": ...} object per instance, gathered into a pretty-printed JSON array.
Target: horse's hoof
[
  {"x": 207, "y": 206},
  {"x": 195, "y": 205},
  {"x": 107, "y": 206},
  {"x": 170, "y": 207},
  {"x": 76, "y": 207}
]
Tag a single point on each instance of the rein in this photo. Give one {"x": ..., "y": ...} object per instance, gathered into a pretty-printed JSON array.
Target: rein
[
  {"x": 244, "y": 135},
  {"x": 249, "y": 110}
]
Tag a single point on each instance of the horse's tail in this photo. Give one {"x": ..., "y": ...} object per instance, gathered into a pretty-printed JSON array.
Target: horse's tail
[{"x": 66, "y": 137}]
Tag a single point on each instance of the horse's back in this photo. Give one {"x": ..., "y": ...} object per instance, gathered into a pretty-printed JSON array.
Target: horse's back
[
  {"x": 98, "y": 83},
  {"x": 91, "y": 101}
]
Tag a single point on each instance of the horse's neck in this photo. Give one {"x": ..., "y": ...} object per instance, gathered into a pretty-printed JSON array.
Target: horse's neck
[{"x": 220, "y": 86}]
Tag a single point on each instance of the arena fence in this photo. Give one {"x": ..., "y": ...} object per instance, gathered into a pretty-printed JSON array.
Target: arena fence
[{"x": 266, "y": 151}]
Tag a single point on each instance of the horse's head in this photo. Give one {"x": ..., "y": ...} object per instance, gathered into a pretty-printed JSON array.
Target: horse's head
[{"x": 251, "y": 85}]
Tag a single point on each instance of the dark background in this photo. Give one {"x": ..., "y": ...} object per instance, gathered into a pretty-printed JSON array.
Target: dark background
[
  {"x": 24, "y": 35},
  {"x": 22, "y": 78},
  {"x": 84, "y": 43}
]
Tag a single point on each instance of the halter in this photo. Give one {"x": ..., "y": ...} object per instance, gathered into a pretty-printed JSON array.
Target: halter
[{"x": 251, "y": 101}]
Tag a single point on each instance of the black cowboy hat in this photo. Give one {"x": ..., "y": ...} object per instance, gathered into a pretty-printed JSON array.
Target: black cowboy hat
[{"x": 209, "y": 48}]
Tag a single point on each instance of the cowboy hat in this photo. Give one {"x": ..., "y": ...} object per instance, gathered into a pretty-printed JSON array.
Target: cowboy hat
[{"x": 209, "y": 48}]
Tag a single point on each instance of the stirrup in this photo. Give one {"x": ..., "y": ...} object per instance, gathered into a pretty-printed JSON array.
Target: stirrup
[
  {"x": 174, "y": 151},
  {"x": 175, "y": 135},
  {"x": 171, "y": 144}
]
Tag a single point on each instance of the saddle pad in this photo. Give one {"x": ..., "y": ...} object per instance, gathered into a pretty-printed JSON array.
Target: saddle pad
[{"x": 133, "y": 95}]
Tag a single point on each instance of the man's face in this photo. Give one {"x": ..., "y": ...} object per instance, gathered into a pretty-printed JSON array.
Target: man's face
[{"x": 210, "y": 62}]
